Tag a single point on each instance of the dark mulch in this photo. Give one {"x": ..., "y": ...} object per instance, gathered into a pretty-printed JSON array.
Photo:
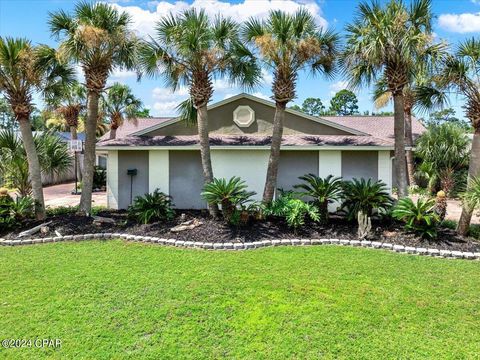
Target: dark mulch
[{"x": 217, "y": 231}]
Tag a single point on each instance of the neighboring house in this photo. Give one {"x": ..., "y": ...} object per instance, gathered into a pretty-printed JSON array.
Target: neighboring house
[{"x": 166, "y": 155}]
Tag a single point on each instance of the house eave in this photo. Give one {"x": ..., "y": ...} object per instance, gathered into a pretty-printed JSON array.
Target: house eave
[{"x": 246, "y": 147}]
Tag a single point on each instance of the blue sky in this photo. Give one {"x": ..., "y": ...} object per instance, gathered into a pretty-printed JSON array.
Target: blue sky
[{"x": 455, "y": 20}]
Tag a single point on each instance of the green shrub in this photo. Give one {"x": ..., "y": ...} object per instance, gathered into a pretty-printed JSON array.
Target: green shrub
[
  {"x": 23, "y": 208},
  {"x": 419, "y": 217},
  {"x": 62, "y": 210},
  {"x": 293, "y": 210},
  {"x": 156, "y": 206},
  {"x": 14, "y": 211},
  {"x": 365, "y": 196},
  {"x": 323, "y": 191},
  {"x": 228, "y": 194},
  {"x": 99, "y": 178}
]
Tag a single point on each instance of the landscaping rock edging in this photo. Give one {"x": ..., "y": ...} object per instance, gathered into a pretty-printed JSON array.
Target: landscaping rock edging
[{"x": 251, "y": 245}]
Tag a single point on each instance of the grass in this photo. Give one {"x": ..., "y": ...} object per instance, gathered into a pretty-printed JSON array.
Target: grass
[{"x": 129, "y": 300}]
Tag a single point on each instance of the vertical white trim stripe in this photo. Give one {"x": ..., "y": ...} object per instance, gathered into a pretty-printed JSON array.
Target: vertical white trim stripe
[
  {"x": 385, "y": 168},
  {"x": 159, "y": 171},
  {"x": 330, "y": 163},
  {"x": 112, "y": 180}
]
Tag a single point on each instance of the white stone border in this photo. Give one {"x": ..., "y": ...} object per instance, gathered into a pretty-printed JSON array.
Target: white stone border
[{"x": 251, "y": 245}]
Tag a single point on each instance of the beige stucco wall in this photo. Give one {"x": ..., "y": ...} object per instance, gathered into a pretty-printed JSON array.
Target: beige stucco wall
[{"x": 220, "y": 121}]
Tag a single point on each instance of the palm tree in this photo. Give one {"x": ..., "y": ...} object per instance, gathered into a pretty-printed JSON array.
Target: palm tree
[
  {"x": 96, "y": 36},
  {"x": 288, "y": 44},
  {"x": 68, "y": 103},
  {"x": 118, "y": 104},
  {"x": 191, "y": 50},
  {"x": 460, "y": 72},
  {"x": 23, "y": 70},
  {"x": 388, "y": 41},
  {"x": 414, "y": 96}
]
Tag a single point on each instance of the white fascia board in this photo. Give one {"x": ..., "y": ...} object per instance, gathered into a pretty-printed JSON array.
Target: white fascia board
[
  {"x": 261, "y": 101},
  {"x": 252, "y": 147}
]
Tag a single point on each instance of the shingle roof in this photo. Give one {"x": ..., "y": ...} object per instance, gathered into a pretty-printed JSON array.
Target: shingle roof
[
  {"x": 248, "y": 140},
  {"x": 378, "y": 126},
  {"x": 129, "y": 127}
]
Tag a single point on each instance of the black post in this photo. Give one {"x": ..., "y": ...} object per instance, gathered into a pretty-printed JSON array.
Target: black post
[
  {"x": 131, "y": 189},
  {"x": 76, "y": 178}
]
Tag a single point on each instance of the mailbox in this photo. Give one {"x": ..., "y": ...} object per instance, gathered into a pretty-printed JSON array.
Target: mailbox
[{"x": 132, "y": 172}]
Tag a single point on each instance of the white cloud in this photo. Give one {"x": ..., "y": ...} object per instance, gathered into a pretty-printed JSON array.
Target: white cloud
[
  {"x": 336, "y": 87},
  {"x": 122, "y": 74},
  {"x": 144, "y": 20},
  {"x": 460, "y": 23},
  {"x": 166, "y": 100}
]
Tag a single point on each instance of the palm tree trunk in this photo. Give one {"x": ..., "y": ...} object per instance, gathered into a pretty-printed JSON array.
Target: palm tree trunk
[
  {"x": 272, "y": 170},
  {"x": 89, "y": 155},
  {"x": 409, "y": 142},
  {"x": 399, "y": 133},
  {"x": 113, "y": 133},
  {"x": 473, "y": 171},
  {"x": 202, "y": 122},
  {"x": 33, "y": 168}
]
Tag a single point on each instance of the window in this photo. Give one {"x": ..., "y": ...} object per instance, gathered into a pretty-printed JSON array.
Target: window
[{"x": 243, "y": 116}]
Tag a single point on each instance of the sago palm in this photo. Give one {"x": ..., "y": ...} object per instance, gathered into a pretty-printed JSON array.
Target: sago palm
[
  {"x": 324, "y": 191},
  {"x": 192, "y": 50},
  {"x": 387, "y": 41},
  {"x": 98, "y": 38},
  {"x": 25, "y": 69},
  {"x": 119, "y": 104},
  {"x": 288, "y": 44}
]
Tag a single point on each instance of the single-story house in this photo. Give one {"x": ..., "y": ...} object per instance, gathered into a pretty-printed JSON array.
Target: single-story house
[{"x": 166, "y": 154}]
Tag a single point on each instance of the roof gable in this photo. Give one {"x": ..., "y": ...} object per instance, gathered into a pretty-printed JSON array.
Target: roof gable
[{"x": 310, "y": 124}]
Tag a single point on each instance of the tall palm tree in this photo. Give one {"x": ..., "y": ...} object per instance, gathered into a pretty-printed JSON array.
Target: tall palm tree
[
  {"x": 119, "y": 104},
  {"x": 25, "y": 69},
  {"x": 460, "y": 72},
  {"x": 288, "y": 44},
  {"x": 191, "y": 50},
  {"x": 414, "y": 99},
  {"x": 387, "y": 41},
  {"x": 69, "y": 102},
  {"x": 96, "y": 36}
]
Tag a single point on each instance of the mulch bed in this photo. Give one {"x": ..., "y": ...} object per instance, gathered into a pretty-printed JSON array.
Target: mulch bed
[{"x": 218, "y": 231}]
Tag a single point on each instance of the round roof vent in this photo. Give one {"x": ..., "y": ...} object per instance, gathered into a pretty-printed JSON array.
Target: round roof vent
[{"x": 243, "y": 116}]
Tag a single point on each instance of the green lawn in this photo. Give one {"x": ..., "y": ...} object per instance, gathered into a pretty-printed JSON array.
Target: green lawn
[{"x": 129, "y": 300}]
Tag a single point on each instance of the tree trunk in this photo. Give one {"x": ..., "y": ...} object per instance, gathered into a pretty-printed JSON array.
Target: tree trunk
[
  {"x": 399, "y": 132},
  {"x": 113, "y": 133},
  {"x": 34, "y": 169},
  {"x": 409, "y": 142},
  {"x": 202, "y": 122},
  {"x": 473, "y": 172},
  {"x": 274, "y": 159},
  {"x": 89, "y": 154}
]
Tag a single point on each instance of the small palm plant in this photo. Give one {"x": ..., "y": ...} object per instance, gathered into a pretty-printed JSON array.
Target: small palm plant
[
  {"x": 156, "y": 206},
  {"x": 119, "y": 104},
  {"x": 365, "y": 196},
  {"x": 229, "y": 194},
  {"x": 419, "y": 217},
  {"x": 471, "y": 196},
  {"x": 324, "y": 191},
  {"x": 361, "y": 198}
]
